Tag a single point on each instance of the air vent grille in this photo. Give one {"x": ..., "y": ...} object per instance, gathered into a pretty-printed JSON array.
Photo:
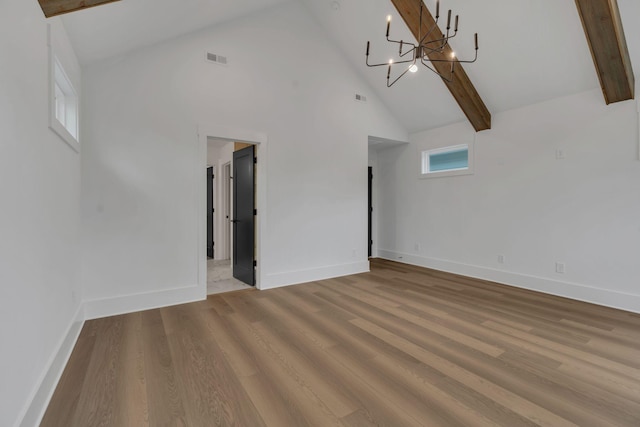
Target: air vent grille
[{"x": 218, "y": 59}]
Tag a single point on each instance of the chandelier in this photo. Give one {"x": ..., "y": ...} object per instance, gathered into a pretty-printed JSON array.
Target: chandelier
[{"x": 432, "y": 47}]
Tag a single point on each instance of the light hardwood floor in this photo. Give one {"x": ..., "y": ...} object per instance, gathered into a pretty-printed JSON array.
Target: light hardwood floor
[{"x": 400, "y": 346}]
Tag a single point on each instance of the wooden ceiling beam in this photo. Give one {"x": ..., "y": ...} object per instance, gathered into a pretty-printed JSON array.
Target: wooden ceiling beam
[
  {"x": 58, "y": 7},
  {"x": 460, "y": 87},
  {"x": 603, "y": 28}
]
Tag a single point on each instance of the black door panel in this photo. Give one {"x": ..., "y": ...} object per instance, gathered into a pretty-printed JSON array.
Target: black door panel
[
  {"x": 243, "y": 216},
  {"x": 210, "y": 212}
]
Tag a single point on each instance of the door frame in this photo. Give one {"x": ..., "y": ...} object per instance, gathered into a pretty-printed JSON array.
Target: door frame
[
  {"x": 224, "y": 225},
  {"x": 231, "y": 134}
]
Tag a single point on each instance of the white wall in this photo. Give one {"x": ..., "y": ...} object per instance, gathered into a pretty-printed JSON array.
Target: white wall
[
  {"x": 139, "y": 167},
  {"x": 525, "y": 204},
  {"x": 213, "y": 154},
  {"x": 39, "y": 217}
]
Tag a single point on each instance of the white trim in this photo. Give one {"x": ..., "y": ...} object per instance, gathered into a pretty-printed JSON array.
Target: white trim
[
  {"x": 289, "y": 278},
  {"x": 39, "y": 399},
  {"x": 638, "y": 135},
  {"x": 223, "y": 223},
  {"x": 98, "y": 308},
  {"x": 576, "y": 291},
  {"x": 260, "y": 139}
]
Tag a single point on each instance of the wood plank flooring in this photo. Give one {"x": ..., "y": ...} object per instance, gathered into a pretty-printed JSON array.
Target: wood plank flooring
[{"x": 399, "y": 346}]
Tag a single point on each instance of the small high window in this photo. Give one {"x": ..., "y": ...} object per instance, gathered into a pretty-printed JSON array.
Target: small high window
[
  {"x": 64, "y": 105},
  {"x": 453, "y": 160},
  {"x": 65, "y": 77}
]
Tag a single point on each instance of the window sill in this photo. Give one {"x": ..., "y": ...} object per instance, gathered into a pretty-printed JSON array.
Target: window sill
[
  {"x": 444, "y": 174},
  {"x": 64, "y": 134}
]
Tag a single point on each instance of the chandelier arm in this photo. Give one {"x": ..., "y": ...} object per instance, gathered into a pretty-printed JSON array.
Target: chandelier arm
[
  {"x": 387, "y": 64},
  {"x": 460, "y": 61},
  {"x": 431, "y": 30},
  {"x": 436, "y": 72},
  {"x": 429, "y": 50},
  {"x": 469, "y": 61},
  {"x": 398, "y": 78},
  {"x": 400, "y": 41},
  {"x": 402, "y": 62},
  {"x": 441, "y": 42},
  {"x": 375, "y": 65},
  {"x": 413, "y": 49},
  {"x": 435, "y": 25}
]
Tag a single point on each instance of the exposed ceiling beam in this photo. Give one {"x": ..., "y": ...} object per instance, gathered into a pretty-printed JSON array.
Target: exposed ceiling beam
[
  {"x": 603, "y": 28},
  {"x": 58, "y": 7},
  {"x": 460, "y": 87}
]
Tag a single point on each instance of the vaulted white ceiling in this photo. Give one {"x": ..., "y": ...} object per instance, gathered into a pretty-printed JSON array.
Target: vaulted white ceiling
[
  {"x": 116, "y": 28},
  {"x": 530, "y": 50}
]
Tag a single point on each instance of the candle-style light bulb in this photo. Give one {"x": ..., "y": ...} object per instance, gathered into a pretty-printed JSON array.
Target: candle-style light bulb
[
  {"x": 367, "y": 48},
  {"x": 476, "y": 38},
  {"x": 437, "y": 9},
  {"x": 449, "y": 20},
  {"x": 456, "y": 26},
  {"x": 388, "y": 24}
]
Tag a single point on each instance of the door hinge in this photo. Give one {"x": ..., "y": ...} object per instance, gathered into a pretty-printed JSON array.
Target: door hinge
[
  {"x": 255, "y": 211},
  {"x": 255, "y": 263},
  {"x": 255, "y": 160}
]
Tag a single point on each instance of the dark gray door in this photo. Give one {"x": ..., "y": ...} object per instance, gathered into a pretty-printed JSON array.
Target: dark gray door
[
  {"x": 244, "y": 216},
  {"x": 210, "y": 212}
]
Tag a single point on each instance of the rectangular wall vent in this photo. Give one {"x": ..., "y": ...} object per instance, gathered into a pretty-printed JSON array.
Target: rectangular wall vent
[
  {"x": 218, "y": 59},
  {"x": 361, "y": 98}
]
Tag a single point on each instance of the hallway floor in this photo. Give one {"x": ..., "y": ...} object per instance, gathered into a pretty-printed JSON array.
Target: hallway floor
[{"x": 220, "y": 278}]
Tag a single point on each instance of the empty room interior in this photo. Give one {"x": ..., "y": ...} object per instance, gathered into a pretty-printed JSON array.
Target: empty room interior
[{"x": 319, "y": 213}]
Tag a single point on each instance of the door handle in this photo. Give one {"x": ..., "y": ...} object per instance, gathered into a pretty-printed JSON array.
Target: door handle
[{"x": 234, "y": 221}]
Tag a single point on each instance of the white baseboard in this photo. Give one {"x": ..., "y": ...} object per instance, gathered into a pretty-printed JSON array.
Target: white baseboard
[
  {"x": 303, "y": 276},
  {"x": 576, "y": 291},
  {"x": 96, "y": 309},
  {"x": 41, "y": 395}
]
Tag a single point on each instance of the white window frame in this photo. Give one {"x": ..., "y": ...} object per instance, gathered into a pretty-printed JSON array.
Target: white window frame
[
  {"x": 64, "y": 114},
  {"x": 424, "y": 162}
]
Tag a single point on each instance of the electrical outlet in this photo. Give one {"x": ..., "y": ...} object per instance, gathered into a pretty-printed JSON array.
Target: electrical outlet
[
  {"x": 353, "y": 253},
  {"x": 560, "y": 155},
  {"x": 560, "y": 267},
  {"x": 500, "y": 259},
  {"x": 417, "y": 247}
]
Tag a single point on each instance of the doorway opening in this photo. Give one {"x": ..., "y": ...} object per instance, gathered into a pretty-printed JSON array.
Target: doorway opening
[
  {"x": 231, "y": 215},
  {"x": 377, "y": 147}
]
